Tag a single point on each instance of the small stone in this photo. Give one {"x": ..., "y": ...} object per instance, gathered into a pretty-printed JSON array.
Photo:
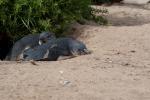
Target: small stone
[
  {"x": 33, "y": 62},
  {"x": 133, "y": 51},
  {"x": 118, "y": 53},
  {"x": 66, "y": 82},
  {"x": 61, "y": 72},
  {"x": 110, "y": 61},
  {"x": 96, "y": 58},
  {"x": 126, "y": 64}
]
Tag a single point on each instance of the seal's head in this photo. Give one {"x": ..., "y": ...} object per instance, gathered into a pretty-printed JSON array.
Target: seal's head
[{"x": 45, "y": 37}]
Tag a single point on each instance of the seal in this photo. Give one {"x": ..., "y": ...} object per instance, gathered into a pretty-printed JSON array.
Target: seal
[
  {"x": 52, "y": 48},
  {"x": 29, "y": 41}
]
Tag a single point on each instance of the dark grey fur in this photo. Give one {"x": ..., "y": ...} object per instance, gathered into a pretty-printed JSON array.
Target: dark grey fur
[{"x": 29, "y": 41}]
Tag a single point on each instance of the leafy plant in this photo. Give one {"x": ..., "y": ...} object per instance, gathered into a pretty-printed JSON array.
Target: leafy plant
[{"x": 22, "y": 17}]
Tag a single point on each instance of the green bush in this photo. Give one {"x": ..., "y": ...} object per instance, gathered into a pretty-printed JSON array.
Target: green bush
[{"x": 22, "y": 17}]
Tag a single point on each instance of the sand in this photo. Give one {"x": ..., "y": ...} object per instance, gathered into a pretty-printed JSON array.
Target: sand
[{"x": 118, "y": 68}]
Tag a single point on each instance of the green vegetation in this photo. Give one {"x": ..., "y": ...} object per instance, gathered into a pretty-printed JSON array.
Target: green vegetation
[{"x": 22, "y": 17}]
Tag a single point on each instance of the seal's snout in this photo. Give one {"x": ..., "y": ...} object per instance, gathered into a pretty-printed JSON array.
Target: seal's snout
[{"x": 85, "y": 52}]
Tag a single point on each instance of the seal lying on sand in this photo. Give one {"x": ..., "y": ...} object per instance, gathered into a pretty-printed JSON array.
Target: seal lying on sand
[
  {"x": 29, "y": 41},
  {"x": 54, "y": 48}
]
